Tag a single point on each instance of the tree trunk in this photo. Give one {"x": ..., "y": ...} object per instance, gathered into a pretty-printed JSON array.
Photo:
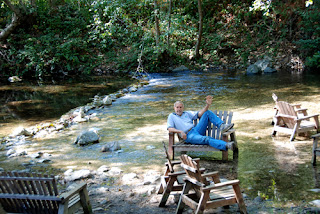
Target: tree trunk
[
  {"x": 15, "y": 22},
  {"x": 156, "y": 14},
  {"x": 200, "y": 30},
  {"x": 169, "y": 23}
]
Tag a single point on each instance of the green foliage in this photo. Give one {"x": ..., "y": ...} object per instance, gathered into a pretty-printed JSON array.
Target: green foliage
[
  {"x": 54, "y": 45},
  {"x": 77, "y": 37},
  {"x": 309, "y": 45}
]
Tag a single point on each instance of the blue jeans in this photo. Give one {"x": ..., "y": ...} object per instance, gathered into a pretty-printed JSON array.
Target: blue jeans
[{"x": 197, "y": 135}]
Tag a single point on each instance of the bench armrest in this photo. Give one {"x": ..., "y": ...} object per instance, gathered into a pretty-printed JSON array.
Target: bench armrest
[{"x": 65, "y": 196}]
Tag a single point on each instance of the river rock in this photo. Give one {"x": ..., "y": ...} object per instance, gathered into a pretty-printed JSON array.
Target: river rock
[
  {"x": 180, "y": 68},
  {"x": 114, "y": 171},
  {"x": 261, "y": 66},
  {"x": 71, "y": 175},
  {"x": 107, "y": 100},
  {"x": 253, "y": 69},
  {"x": 151, "y": 177},
  {"x": 111, "y": 146},
  {"x": 269, "y": 70},
  {"x": 129, "y": 178},
  {"x": 87, "y": 137},
  {"x": 11, "y": 152},
  {"x": 102, "y": 169},
  {"x": 315, "y": 203},
  {"x": 132, "y": 89},
  {"x": 21, "y": 131},
  {"x": 14, "y": 79}
]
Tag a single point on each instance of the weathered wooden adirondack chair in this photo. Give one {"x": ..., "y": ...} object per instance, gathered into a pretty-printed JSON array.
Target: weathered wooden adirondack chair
[
  {"x": 207, "y": 194},
  {"x": 289, "y": 121},
  {"x": 38, "y": 194},
  {"x": 172, "y": 180},
  {"x": 213, "y": 131},
  {"x": 300, "y": 111}
]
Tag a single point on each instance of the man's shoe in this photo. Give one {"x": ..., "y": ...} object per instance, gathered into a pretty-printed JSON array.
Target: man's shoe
[
  {"x": 230, "y": 146},
  {"x": 226, "y": 127}
]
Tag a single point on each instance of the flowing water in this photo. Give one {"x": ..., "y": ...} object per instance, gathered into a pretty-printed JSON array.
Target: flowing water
[{"x": 272, "y": 168}]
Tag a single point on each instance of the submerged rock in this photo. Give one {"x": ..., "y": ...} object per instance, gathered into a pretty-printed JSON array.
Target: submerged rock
[{"x": 112, "y": 146}]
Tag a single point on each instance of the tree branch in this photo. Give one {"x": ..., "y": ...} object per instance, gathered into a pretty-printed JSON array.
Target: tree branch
[{"x": 15, "y": 22}]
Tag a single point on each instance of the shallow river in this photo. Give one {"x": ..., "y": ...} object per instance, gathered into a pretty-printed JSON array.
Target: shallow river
[{"x": 272, "y": 168}]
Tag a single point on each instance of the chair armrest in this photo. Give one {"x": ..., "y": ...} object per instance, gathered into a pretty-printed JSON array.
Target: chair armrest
[
  {"x": 218, "y": 185},
  {"x": 174, "y": 163},
  {"x": 308, "y": 117},
  {"x": 210, "y": 174},
  {"x": 301, "y": 109},
  {"x": 297, "y": 105},
  {"x": 176, "y": 173},
  {"x": 231, "y": 131},
  {"x": 286, "y": 116},
  {"x": 65, "y": 196}
]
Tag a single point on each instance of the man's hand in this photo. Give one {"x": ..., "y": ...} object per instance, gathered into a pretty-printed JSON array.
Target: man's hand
[
  {"x": 183, "y": 135},
  {"x": 209, "y": 100},
  {"x": 208, "y": 104}
]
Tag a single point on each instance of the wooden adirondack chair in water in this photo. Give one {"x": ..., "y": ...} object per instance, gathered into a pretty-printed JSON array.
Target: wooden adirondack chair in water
[
  {"x": 207, "y": 194},
  {"x": 38, "y": 194},
  {"x": 289, "y": 121},
  {"x": 213, "y": 131}
]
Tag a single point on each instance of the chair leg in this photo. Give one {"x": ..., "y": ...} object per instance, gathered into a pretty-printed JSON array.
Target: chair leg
[
  {"x": 202, "y": 203},
  {"x": 224, "y": 155},
  {"x": 240, "y": 201},
  {"x": 181, "y": 205},
  {"x": 314, "y": 155},
  {"x": 167, "y": 191},
  {"x": 85, "y": 202}
]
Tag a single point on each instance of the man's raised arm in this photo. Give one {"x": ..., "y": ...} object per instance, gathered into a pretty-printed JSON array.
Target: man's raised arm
[{"x": 206, "y": 108}]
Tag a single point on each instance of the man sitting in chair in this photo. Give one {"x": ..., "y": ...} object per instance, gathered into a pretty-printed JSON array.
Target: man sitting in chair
[{"x": 181, "y": 122}]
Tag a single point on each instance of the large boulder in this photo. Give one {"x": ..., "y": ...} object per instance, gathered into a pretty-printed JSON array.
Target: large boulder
[
  {"x": 180, "y": 68},
  {"x": 261, "y": 66},
  {"x": 253, "y": 69},
  {"x": 87, "y": 137}
]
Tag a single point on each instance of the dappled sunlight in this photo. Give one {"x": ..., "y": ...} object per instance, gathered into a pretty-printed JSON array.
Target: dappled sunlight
[{"x": 266, "y": 165}]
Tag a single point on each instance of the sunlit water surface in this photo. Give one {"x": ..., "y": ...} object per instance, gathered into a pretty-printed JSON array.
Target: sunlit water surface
[{"x": 272, "y": 168}]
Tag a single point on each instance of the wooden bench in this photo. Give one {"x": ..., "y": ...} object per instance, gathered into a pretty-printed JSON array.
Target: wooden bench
[
  {"x": 315, "y": 148},
  {"x": 35, "y": 193},
  {"x": 212, "y": 131}
]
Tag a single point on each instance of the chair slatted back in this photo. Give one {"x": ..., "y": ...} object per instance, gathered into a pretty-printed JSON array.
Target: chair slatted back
[
  {"x": 287, "y": 109},
  {"x": 192, "y": 168},
  {"x": 213, "y": 131},
  {"x": 28, "y": 193}
]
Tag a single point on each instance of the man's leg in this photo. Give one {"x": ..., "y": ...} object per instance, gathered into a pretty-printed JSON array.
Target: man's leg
[
  {"x": 207, "y": 117},
  {"x": 194, "y": 137}
]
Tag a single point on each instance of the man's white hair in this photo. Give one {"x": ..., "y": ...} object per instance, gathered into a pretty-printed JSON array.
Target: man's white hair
[{"x": 178, "y": 102}]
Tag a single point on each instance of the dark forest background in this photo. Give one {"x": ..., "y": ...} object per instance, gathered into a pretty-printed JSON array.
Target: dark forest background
[{"x": 64, "y": 38}]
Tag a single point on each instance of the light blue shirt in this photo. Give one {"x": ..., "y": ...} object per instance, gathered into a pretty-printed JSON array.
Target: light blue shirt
[{"x": 183, "y": 122}]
